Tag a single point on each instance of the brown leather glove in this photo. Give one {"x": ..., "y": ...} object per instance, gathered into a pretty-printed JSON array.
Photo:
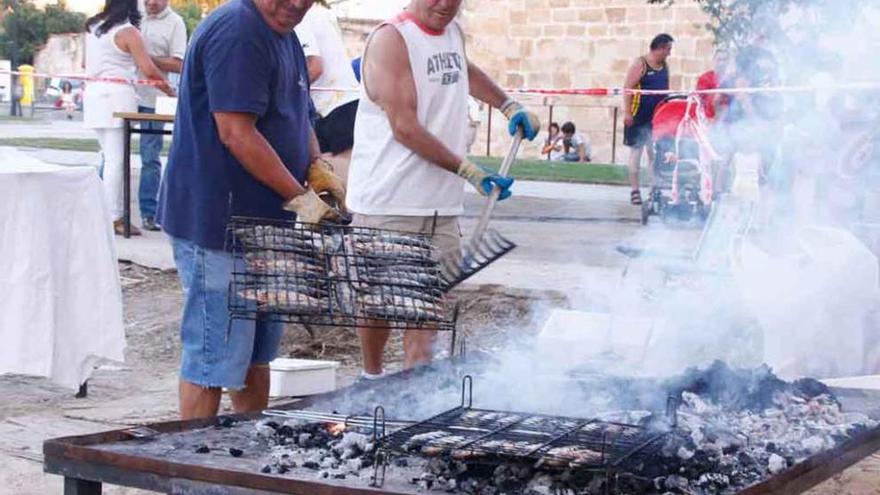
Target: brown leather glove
[{"x": 322, "y": 179}]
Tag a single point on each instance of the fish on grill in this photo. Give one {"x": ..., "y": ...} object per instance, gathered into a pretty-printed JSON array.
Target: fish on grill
[
  {"x": 291, "y": 265},
  {"x": 291, "y": 299},
  {"x": 310, "y": 287},
  {"x": 572, "y": 455},
  {"x": 376, "y": 248},
  {"x": 420, "y": 276},
  {"x": 392, "y": 238},
  {"x": 412, "y": 314},
  {"x": 416, "y": 442},
  {"x": 426, "y": 294},
  {"x": 394, "y": 307},
  {"x": 271, "y": 237},
  {"x": 494, "y": 447}
]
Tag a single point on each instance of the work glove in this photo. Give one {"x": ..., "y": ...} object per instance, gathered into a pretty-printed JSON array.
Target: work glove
[
  {"x": 310, "y": 208},
  {"x": 322, "y": 179},
  {"x": 484, "y": 180},
  {"x": 519, "y": 117}
]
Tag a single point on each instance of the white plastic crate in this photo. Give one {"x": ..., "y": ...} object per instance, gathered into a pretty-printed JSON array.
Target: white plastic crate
[{"x": 298, "y": 377}]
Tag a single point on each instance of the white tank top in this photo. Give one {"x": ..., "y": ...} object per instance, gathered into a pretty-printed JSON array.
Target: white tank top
[
  {"x": 387, "y": 178},
  {"x": 104, "y": 58},
  {"x": 101, "y": 99}
]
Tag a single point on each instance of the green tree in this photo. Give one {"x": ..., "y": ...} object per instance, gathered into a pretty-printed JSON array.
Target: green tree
[
  {"x": 736, "y": 23},
  {"x": 191, "y": 11},
  {"x": 29, "y": 27}
]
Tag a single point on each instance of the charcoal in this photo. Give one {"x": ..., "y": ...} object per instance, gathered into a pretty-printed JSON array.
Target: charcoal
[
  {"x": 234, "y": 452},
  {"x": 732, "y": 389},
  {"x": 311, "y": 465},
  {"x": 202, "y": 449},
  {"x": 266, "y": 469},
  {"x": 226, "y": 422}
]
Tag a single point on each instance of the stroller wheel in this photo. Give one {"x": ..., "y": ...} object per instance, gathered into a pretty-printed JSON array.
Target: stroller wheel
[{"x": 646, "y": 212}]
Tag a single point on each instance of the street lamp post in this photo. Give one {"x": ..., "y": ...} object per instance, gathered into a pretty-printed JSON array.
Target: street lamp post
[{"x": 15, "y": 104}]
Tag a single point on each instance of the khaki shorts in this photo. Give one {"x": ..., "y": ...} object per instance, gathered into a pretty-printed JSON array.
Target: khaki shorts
[{"x": 447, "y": 233}]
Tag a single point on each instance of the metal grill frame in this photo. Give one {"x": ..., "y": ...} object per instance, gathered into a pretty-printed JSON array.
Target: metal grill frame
[
  {"x": 555, "y": 432},
  {"x": 352, "y": 276}
]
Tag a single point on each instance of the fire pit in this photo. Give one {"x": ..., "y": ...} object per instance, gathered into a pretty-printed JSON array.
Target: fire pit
[
  {"x": 498, "y": 451},
  {"x": 490, "y": 437}
]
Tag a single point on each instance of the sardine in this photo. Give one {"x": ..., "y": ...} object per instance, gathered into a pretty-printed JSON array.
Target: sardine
[
  {"x": 285, "y": 300},
  {"x": 393, "y": 238}
]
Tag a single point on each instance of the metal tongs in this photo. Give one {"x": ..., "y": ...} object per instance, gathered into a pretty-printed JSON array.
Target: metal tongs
[{"x": 484, "y": 246}]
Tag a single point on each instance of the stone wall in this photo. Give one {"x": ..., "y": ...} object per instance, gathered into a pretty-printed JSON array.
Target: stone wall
[
  {"x": 570, "y": 44},
  {"x": 62, "y": 54},
  {"x": 579, "y": 44}
]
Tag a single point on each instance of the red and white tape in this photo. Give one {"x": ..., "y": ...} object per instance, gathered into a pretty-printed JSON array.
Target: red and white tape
[{"x": 844, "y": 87}]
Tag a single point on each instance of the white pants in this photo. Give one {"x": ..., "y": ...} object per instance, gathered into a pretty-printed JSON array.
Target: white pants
[{"x": 111, "y": 140}]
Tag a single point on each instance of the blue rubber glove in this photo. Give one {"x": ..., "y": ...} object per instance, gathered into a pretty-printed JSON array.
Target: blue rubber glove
[
  {"x": 484, "y": 180},
  {"x": 519, "y": 117}
]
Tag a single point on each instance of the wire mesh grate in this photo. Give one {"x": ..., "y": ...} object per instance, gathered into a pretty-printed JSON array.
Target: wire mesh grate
[
  {"x": 550, "y": 441},
  {"x": 335, "y": 275},
  {"x": 488, "y": 436}
]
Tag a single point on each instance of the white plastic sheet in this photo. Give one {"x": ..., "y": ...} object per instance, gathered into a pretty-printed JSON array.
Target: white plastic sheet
[
  {"x": 813, "y": 305},
  {"x": 60, "y": 296}
]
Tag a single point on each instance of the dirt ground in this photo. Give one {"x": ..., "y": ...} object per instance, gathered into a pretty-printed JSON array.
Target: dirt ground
[{"x": 143, "y": 390}]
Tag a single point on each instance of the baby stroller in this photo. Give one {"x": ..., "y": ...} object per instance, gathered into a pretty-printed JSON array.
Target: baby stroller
[{"x": 681, "y": 167}]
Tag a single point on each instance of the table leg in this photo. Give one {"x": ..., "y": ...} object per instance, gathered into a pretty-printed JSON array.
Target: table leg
[
  {"x": 126, "y": 179},
  {"x": 76, "y": 486}
]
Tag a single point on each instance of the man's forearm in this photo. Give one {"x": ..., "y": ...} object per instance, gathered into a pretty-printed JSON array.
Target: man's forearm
[
  {"x": 314, "y": 146},
  {"x": 483, "y": 88},
  {"x": 256, "y": 155},
  {"x": 627, "y": 104},
  {"x": 168, "y": 64}
]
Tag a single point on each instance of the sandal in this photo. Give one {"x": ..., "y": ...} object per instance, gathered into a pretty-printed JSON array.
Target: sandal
[{"x": 635, "y": 197}]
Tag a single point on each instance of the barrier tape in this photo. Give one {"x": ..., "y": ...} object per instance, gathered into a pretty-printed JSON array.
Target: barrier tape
[{"x": 847, "y": 87}]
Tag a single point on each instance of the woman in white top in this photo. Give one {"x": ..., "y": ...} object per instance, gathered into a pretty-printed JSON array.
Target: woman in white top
[{"x": 115, "y": 49}]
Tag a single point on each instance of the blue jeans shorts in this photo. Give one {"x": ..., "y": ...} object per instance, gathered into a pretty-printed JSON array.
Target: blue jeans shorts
[{"x": 216, "y": 353}]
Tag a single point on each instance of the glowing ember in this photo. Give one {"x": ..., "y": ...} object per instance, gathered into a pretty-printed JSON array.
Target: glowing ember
[{"x": 335, "y": 429}]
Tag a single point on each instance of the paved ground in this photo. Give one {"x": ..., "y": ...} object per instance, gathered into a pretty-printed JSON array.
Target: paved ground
[{"x": 568, "y": 237}]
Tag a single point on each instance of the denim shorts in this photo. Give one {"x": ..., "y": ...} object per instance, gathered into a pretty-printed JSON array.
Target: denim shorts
[{"x": 216, "y": 353}]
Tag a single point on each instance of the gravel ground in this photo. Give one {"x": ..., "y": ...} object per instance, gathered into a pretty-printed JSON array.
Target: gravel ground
[{"x": 144, "y": 389}]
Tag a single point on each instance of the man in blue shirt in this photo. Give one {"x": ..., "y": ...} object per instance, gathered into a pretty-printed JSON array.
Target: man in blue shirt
[{"x": 242, "y": 146}]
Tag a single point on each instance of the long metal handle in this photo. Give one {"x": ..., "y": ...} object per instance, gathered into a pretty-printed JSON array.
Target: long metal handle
[{"x": 493, "y": 196}]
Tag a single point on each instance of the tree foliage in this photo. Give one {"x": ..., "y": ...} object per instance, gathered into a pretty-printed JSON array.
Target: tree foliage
[
  {"x": 736, "y": 23},
  {"x": 193, "y": 11},
  {"x": 29, "y": 27}
]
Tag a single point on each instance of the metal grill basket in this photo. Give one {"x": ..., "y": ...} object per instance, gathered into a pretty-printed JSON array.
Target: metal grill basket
[{"x": 334, "y": 275}]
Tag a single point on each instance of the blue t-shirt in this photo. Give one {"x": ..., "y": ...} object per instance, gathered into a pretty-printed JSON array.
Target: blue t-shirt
[{"x": 235, "y": 63}]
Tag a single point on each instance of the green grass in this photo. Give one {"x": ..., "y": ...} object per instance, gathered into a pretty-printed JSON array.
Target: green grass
[
  {"x": 68, "y": 144},
  {"x": 590, "y": 173},
  {"x": 9, "y": 119},
  {"x": 541, "y": 170}
]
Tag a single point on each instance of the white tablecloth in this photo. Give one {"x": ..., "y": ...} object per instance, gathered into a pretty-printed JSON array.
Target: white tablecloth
[{"x": 60, "y": 296}]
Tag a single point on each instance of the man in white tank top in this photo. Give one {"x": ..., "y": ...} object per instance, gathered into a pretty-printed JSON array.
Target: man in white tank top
[{"x": 409, "y": 159}]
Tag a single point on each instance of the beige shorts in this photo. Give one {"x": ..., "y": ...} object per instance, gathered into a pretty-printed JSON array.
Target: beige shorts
[{"x": 447, "y": 233}]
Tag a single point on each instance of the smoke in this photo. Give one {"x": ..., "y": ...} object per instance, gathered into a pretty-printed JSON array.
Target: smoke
[
  {"x": 784, "y": 273},
  {"x": 788, "y": 276}
]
